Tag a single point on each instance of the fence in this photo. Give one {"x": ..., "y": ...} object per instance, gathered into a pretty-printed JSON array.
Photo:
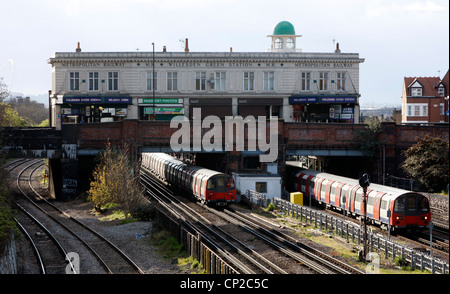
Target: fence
[
  {"x": 257, "y": 198},
  {"x": 354, "y": 232},
  {"x": 194, "y": 244},
  {"x": 402, "y": 183}
]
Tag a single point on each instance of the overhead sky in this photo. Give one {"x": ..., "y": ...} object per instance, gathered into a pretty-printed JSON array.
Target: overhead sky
[{"x": 397, "y": 38}]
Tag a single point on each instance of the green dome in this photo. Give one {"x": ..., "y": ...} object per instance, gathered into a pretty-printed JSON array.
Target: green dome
[{"x": 284, "y": 28}]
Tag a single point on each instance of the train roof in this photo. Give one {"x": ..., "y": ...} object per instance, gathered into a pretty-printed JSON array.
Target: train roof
[
  {"x": 195, "y": 168},
  {"x": 376, "y": 187}
]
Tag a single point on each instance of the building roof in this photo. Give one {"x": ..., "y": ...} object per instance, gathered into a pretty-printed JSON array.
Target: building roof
[
  {"x": 445, "y": 82},
  {"x": 429, "y": 85},
  {"x": 284, "y": 28}
]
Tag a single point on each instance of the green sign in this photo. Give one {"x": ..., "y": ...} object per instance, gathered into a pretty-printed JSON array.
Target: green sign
[
  {"x": 161, "y": 100},
  {"x": 164, "y": 110}
]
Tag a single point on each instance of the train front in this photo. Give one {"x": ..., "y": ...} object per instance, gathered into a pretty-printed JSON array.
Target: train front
[
  {"x": 410, "y": 211},
  {"x": 220, "y": 190}
]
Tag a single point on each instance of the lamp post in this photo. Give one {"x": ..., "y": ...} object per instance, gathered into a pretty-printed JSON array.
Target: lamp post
[{"x": 153, "y": 83}]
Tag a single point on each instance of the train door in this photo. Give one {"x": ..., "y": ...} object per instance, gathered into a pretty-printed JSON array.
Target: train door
[
  {"x": 344, "y": 197},
  {"x": 308, "y": 186},
  {"x": 328, "y": 191},
  {"x": 317, "y": 186},
  {"x": 376, "y": 206},
  {"x": 332, "y": 193},
  {"x": 202, "y": 186},
  {"x": 338, "y": 195},
  {"x": 358, "y": 201},
  {"x": 312, "y": 184},
  {"x": 298, "y": 184},
  {"x": 384, "y": 207},
  {"x": 370, "y": 203}
]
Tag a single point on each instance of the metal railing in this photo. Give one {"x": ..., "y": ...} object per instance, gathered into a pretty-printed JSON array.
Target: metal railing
[{"x": 349, "y": 230}]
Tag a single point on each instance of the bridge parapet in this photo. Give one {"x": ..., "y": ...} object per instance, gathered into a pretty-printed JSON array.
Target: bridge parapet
[{"x": 31, "y": 142}]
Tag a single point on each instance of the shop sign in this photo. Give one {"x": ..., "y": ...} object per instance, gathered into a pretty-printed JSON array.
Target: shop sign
[
  {"x": 161, "y": 100},
  {"x": 164, "y": 110},
  {"x": 303, "y": 100},
  {"x": 89, "y": 100},
  {"x": 117, "y": 100},
  {"x": 82, "y": 100}
]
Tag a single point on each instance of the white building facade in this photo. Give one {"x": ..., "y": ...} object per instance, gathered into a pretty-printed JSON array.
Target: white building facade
[{"x": 284, "y": 82}]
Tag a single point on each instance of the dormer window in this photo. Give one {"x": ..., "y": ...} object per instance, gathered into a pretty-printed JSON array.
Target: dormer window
[
  {"x": 416, "y": 91},
  {"x": 441, "y": 90}
]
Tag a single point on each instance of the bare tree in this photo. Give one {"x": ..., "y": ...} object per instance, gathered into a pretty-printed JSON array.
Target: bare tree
[{"x": 116, "y": 180}]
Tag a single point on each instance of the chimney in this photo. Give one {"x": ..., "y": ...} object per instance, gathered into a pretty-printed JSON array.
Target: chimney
[
  {"x": 186, "y": 49},
  {"x": 231, "y": 49},
  {"x": 337, "y": 48},
  {"x": 78, "y": 48},
  {"x": 164, "y": 49}
]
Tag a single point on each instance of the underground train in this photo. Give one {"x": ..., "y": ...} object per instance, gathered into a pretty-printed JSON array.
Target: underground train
[
  {"x": 407, "y": 209},
  {"x": 207, "y": 186}
]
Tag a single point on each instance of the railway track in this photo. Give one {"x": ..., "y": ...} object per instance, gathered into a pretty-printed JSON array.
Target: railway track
[
  {"x": 85, "y": 243},
  {"x": 248, "y": 239}
]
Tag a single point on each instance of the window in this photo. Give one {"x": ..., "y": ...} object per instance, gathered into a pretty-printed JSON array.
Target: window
[
  {"x": 220, "y": 81},
  {"x": 113, "y": 81},
  {"x": 290, "y": 43},
  {"x": 416, "y": 91},
  {"x": 152, "y": 81},
  {"x": 269, "y": 81},
  {"x": 200, "y": 81},
  {"x": 341, "y": 76},
  {"x": 261, "y": 187},
  {"x": 323, "y": 81},
  {"x": 93, "y": 81},
  {"x": 306, "y": 81},
  {"x": 441, "y": 91},
  {"x": 74, "y": 81},
  {"x": 279, "y": 43},
  {"x": 417, "y": 109},
  {"x": 172, "y": 81},
  {"x": 249, "y": 81}
]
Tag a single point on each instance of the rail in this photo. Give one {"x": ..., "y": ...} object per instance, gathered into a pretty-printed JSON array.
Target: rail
[{"x": 351, "y": 231}]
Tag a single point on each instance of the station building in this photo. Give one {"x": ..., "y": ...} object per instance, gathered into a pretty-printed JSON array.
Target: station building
[{"x": 284, "y": 82}]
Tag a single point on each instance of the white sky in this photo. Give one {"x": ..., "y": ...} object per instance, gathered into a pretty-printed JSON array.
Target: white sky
[{"x": 397, "y": 38}]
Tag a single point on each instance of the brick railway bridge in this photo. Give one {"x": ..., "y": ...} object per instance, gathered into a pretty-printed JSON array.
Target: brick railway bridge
[{"x": 69, "y": 149}]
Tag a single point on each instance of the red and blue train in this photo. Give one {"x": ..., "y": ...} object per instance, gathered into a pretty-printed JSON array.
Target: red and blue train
[
  {"x": 207, "y": 186},
  {"x": 401, "y": 209}
]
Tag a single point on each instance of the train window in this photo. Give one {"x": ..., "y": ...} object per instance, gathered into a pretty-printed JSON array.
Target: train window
[
  {"x": 423, "y": 204},
  {"x": 211, "y": 184},
  {"x": 370, "y": 201},
  {"x": 411, "y": 203},
  {"x": 221, "y": 182},
  {"x": 383, "y": 204},
  {"x": 399, "y": 204}
]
